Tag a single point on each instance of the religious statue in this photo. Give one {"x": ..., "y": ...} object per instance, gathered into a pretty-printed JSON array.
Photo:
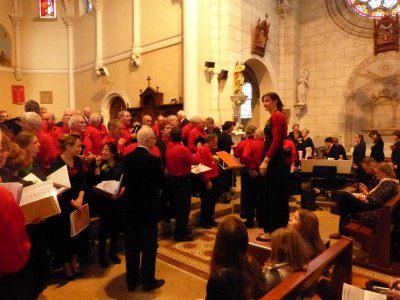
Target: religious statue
[
  {"x": 238, "y": 78},
  {"x": 302, "y": 87},
  {"x": 260, "y": 37}
]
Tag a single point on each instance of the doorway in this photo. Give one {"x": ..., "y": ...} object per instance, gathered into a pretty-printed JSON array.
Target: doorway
[{"x": 117, "y": 104}]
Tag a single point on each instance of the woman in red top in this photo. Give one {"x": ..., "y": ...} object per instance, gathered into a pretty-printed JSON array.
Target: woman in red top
[{"x": 275, "y": 206}]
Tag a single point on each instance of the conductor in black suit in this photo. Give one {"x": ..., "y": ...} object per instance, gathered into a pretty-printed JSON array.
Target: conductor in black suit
[{"x": 143, "y": 179}]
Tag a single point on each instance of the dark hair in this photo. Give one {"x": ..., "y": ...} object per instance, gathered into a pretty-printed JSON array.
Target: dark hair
[
  {"x": 310, "y": 230},
  {"x": 230, "y": 253},
  {"x": 328, "y": 140},
  {"x": 68, "y": 140},
  {"x": 32, "y": 105},
  {"x": 113, "y": 149},
  {"x": 397, "y": 134},
  {"x": 23, "y": 139},
  {"x": 227, "y": 125},
  {"x": 274, "y": 97},
  {"x": 374, "y": 132},
  {"x": 176, "y": 135}
]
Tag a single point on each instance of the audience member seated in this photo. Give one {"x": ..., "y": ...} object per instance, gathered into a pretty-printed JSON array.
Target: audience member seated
[
  {"x": 368, "y": 201},
  {"x": 306, "y": 224},
  {"x": 287, "y": 257},
  {"x": 233, "y": 274},
  {"x": 367, "y": 176}
]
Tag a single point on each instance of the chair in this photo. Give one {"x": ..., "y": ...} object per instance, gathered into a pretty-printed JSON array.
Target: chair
[{"x": 324, "y": 178}]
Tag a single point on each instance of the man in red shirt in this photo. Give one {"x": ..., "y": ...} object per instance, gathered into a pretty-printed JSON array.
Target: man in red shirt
[
  {"x": 188, "y": 128},
  {"x": 114, "y": 135},
  {"x": 210, "y": 189},
  {"x": 93, "y": 132},
  {"x": 197, "y": 135},
  {"x": 179, "y": 160},
  {"x": 125, "y": 118}
]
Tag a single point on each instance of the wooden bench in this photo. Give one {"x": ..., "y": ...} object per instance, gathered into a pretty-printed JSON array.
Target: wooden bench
[
  {"x": 338, "y": 257},
  {"x": 377, "y": 241}
]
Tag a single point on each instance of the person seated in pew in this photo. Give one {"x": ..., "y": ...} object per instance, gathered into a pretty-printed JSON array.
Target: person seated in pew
[
  {"x": 331, "y": 151},
  {"x": 287, "y": 257},
  {"x": 306, "y": 223},
  {"x": 368, "y": 202},
  {"x": 233, "y": 274}
]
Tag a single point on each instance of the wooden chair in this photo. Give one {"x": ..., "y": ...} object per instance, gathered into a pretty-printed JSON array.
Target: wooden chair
[
  {"x": 377, "y": 241},
  {"x": 338, "y": 258}
]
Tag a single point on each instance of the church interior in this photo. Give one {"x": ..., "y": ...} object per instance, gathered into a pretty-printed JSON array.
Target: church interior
[{"x": 334, "y": 63}]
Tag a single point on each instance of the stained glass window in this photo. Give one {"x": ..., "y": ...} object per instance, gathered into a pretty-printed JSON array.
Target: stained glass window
[
  {"x": 89, "y": 6},
  {"x": 47, "y": 9},
  {"x": 245, "y": 109},
  {"x": 375, "y": 8}
]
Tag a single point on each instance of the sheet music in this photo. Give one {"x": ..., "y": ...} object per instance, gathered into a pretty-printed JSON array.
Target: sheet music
[
  {"x": 37, "y": 192},
  {"x": 110, "y": 186},
  {"x": 15, "y": 188},
  {"x": 199, "y": 169},
  {"x": 351, "y": 292},
  {"x": 79, "y": 220},
  {"x": 32, "y": 177},
  {"x": 60, "y": 177}
]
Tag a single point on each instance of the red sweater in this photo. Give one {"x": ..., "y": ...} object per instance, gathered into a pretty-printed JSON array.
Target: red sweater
[
  {"x": 279, "y": 132},
  {"x": 205, "y": 156},
  {"x": 179, "y": 159},
  {"x": 15, "y": 244},
  {"x": 252, "y": 154}
]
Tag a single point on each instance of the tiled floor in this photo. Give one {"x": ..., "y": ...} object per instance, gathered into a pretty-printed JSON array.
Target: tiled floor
[{"x": 110, "y": 283}]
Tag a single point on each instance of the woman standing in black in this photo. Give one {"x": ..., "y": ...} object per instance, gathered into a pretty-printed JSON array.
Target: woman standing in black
[
  {"x": 66, "y": 247},
  {"x": 358, "y": 155},
  {"x": 109, "y": 167},
  {"x": 377, "y": 146},
  {"x": 396, "y": 153},
  {"x": 275, "y": 211}
]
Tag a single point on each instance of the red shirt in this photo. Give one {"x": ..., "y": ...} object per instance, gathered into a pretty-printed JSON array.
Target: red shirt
[
  {"x": 96, "y": 137},
  {"x": 205, "y": 156},
  {"x": 252, "y": 154},
  {"x": 104, "y": 130},
  {"x": 109, "y": 138},
  {"x": 289, "y": 144},
  {"x": 156, "y": 129},
  {"x": 155, "y": 150},
  {"x": 15, "y": 244},
  {"x": 126, "y": 133},
  {"x": 238, "y": 150},
  {"x": 279, "y": 132},
  {"x": 193, "y": 136},
  {"x": 48, "y": 150},
  {"x": 179, "y": 159},
  {"x": 186, "y": 131}
]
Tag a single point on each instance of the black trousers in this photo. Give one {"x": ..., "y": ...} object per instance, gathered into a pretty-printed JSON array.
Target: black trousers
[
  {"x": 110, "y": 224},
  {"x": 181, "y": 193},
  {"x": 348, "y": 204},
  {"x": 250, "y": 195},
  {"x": 208, "y": 200},
  {"x": 141, "y": 231}
]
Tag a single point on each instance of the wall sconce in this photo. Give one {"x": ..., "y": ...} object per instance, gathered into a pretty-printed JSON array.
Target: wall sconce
[
  {"x": 103, "y": 71},
  {"x": 223, "y": 75},
  {"x": 209, "y": 64}
]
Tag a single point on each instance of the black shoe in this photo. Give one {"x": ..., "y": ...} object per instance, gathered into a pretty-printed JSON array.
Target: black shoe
[
  {"x": 115, "y": 259},
  {"x": 104, "y": 262},
  {"x": 78, "y": 273},
  {"x": 133, "y": 285},
  {"x": 205, "y": 225},
  {"x": 185, "y": 238},
  {"x": 157, "y": 283},
  {"x": 69, "y": 278}
]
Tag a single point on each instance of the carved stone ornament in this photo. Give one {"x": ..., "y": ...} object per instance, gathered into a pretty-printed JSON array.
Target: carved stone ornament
[
  {"x": 260, "y": 37},
  {"x": 386, "y": 34}
]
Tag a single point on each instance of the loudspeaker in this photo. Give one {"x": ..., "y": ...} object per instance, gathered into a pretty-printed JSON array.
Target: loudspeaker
[
  {"x": 223, "y": 75},
  {"x": 209, "y": 64},
  {"x": 102, "y": 71}
]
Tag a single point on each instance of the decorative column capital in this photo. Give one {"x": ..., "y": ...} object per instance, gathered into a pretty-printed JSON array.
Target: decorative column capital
[
  {"x": 282, "y": 8},
  {"x": 68, "y": 20},
  {"x": 15, "y": 19},
  {"x": 98, "y": 5}
]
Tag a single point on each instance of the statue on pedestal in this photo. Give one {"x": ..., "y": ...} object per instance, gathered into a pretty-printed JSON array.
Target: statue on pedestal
[
  {"x": 238, "y": 78},
  {"x": 302, "y": 87}
]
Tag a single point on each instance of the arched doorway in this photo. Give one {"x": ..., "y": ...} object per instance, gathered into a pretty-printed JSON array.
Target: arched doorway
[{"x": 116, "y": 105}]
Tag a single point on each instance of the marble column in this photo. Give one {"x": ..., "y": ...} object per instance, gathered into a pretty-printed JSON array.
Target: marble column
[
  {"x": 136, "y": 54},
  {"x": 16, "y": 20},
  {"x": 98, "y": 6},
  {"x": 190, "y": 57},
  {"x": 68, "y": 20}
]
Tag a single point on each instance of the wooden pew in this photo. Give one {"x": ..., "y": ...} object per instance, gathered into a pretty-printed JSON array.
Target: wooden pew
[
  {"x": 338, "y": 257},
  {"x": 377, "y": 241}
]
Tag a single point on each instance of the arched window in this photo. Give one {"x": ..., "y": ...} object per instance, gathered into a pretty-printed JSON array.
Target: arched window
[
  {"x": 47, "y": 9},
  {"x": 245, "y": 109},
  {"x": 375, "y": 8}
]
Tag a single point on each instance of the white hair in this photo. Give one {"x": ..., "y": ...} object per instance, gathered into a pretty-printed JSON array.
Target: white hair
[
  {"x": 181, "y": 114},
  {"x": 143, "y": 134},
  {"x": 74, "y": 119},
  {"x": 95, "y": 119},
  {"x": 31, "y": 121}
]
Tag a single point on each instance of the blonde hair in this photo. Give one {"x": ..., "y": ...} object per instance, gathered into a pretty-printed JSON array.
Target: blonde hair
[
  {"x": 287, "y": 247},
  {"x": 386, "y": 168}
]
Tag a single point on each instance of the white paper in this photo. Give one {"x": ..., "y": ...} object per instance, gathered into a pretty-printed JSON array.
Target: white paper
[
  {"x": 308, "y": 151},
  {"x": 110, "y": 186},
  {"x": 351, "y": 292},
  {"x": 200, "y": 169},
  {"x": 15, "y": 188},
  {"x": 60, "y": 177},
  {"x": 32, "y": 177},
  {"x": 37, "y": 191}
]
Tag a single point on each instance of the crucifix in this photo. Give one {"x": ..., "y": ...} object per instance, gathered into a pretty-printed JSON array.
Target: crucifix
[{"x": 148, "y": 80}]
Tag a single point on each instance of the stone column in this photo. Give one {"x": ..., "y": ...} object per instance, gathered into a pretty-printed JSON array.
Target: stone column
[
  {"x": 136, "y": 54},
  {"x": 190, "y": 57},
  {"x": 16, "y": 20},
  {"x": 98, "y": 6},
  {"x": 68, "y": 20}
]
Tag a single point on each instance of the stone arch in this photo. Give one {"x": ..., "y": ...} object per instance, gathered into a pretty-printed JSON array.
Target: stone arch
[
  {"x": 372, "y": 94},
  {"x": 267, "y": 80},
  {"x": 107, "y": 102}
]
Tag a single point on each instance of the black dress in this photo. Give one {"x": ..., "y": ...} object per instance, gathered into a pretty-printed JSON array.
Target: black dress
[
  {"x": 377, "y": 150},
  {"x": 59, "y": 226},
  {"x": 396, "y": 158}
]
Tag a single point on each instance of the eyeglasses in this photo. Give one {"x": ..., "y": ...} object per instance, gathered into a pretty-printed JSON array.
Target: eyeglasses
[{"x": 80, "y": 122}]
